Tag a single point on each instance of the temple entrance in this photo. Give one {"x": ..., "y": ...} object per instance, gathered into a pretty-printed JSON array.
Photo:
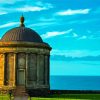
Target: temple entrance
[
  {"x": 21, "y": 77},
  {"x": 21, "y": 69}
]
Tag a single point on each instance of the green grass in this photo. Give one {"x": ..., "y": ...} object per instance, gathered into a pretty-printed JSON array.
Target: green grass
[
  {"x": 70, "y": 97},
  {"x": 63, "y": 97},
  {"x": 4, "y": 97}
]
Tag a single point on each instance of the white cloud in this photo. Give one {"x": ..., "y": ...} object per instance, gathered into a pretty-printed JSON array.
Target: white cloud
[
  {"x": 48, "y": 5},
  {"x": 24, "y": 8},
  {"x": 75, "y": 35},
  {"x": 73, "y": 12},
  {"x": 39, "y": 6},
  {"x": 3, "y": 12},
  {"x": 75, "y": 53},
  {"x": 31, "y": 8},
  {"x": 9, "y": 1},
  {"x": 8, "y": 24},
  {"x": 83, "y": 37},
  {"x": 55, "y": 33}
]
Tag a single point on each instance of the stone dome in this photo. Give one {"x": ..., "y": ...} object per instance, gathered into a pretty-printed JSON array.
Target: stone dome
[{"x": 21, "y": 33}]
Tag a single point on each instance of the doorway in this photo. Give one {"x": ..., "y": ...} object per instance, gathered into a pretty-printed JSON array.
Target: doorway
[{"x": 21, "y": 77}]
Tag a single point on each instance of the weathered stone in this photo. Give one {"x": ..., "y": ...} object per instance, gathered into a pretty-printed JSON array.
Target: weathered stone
[
  {"x": 21, "y": 98},
  {"x": 1, "y": 69},
  {"x": 23, "y": 63}
]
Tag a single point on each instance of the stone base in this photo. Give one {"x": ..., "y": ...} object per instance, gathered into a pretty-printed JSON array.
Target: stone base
[
  {"x": 20, "y": 91},
  {"x": 38, "y": 92},
  {"x": 21, "y": 98}
]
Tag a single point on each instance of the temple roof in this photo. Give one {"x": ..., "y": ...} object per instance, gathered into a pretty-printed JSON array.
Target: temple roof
[{"x": 21, "y": 33}]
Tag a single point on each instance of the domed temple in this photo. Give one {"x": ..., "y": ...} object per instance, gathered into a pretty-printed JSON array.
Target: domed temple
[{"x": 24, "y": 59}]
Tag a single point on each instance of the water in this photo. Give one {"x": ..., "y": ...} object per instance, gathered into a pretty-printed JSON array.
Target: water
[
  {"x": 75, "y": 75},
  {"x": 75, "y": 82}
]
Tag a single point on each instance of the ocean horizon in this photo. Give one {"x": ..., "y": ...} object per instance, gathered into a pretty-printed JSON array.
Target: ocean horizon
[
  {"x": 75, "y": 82},
  {"x": 75, "y": 75}
]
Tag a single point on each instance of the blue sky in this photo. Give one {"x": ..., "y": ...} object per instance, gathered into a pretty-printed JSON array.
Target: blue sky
[{"x": 71, "y": 27}]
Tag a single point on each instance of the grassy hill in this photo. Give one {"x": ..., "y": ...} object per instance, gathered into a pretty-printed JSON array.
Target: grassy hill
[
  {"x": 62, "y": 97},
  {"x": 70, "y": 97}
]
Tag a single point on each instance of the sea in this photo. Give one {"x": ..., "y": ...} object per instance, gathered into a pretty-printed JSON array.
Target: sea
[
  {"x": 75, "y": 75},
  {"x": 75, "y": 82}
]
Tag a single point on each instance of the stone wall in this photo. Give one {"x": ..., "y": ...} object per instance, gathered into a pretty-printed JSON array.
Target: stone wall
[
  {"x": 37, "y": 70},
  {"x": 34, "y": 61}
]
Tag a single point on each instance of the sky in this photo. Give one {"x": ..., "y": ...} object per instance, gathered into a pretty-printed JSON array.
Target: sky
[{"x": 71, "y": 27}]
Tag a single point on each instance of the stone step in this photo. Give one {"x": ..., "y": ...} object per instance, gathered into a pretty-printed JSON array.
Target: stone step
[{"x": 20, "y": 91}]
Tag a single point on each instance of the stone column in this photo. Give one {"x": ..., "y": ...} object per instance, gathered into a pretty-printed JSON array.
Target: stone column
[
  {"x": 5, "y": 69},
  {"x": 40, "y": 69},
  {"x": 47, "y": 70},
  {"x": 15, "y": 67},
  {"x": 11, "y": 72},
  {"x": 2, "y": 60},
  {"x": 46, "y": 67},
  {"x": 37, "y": 69},
  {"x": 4, "y": 65},
  {"x": 26, "y": 76}
]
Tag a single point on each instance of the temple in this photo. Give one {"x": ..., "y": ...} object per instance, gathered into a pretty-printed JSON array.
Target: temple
[{"x": 24, "y": 60}]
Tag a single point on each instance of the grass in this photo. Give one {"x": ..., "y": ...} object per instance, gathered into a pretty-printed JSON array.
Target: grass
[
  {"x": 63, "y": 97},
  {"x": 70, "y": 97},
  {"x": 2, "y": 97}
]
